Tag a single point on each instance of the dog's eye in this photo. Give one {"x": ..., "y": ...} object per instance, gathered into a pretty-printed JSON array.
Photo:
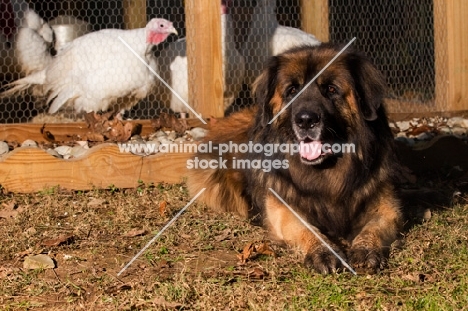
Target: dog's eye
[
  {"x": 292, "y": 90},
  {"x": 331, "y": 90}
]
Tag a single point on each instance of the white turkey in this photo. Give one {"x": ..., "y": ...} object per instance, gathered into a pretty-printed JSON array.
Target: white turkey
[
  {"x": 97, "y": 71},
  {"x": 174, "y": 67},
  {"x": 267, "y": 38},
  {"x": 33, "y": 43}
]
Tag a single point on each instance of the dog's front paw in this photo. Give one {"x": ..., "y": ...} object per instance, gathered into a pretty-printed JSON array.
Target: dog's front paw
[
  {"x": 367, "y": 260},
  {"x": 323, "y": 260}
]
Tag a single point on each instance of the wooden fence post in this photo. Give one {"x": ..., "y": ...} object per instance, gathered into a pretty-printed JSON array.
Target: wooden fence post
[
  {"x": 203, "y": 22},
  {"x": 314, "y": 18}
]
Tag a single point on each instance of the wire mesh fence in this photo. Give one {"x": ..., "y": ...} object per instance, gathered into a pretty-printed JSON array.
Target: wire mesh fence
[{"x": 397, "y": 35}]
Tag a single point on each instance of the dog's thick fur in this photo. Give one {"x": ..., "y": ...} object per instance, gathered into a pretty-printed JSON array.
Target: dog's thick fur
[{"x": 349, "y": 197}]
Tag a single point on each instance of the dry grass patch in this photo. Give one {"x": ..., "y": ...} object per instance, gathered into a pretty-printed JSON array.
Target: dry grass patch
[{"x": 195, "y": 264}]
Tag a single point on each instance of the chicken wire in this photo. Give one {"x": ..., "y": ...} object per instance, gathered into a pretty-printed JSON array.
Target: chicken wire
[{"x": 397, "y": 35}]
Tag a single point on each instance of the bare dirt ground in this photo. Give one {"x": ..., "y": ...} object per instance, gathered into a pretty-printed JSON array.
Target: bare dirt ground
[{"x": 205, "y": 261}]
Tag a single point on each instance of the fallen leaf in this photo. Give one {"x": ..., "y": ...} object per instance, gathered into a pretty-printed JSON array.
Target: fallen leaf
[
  {"x": 134, "y": 233},
  {"x": 10, "y": 210},
  {"x": 6, "y": 271},
  {"x": 265, "y": 249},
  {"x": 29, "y": 251},
  {"x": 224, "y": 235},
  {"x": 95, "y": 137},
  {"x": 161, "y": 302},
  {"x": 257, "y": 273},
  {"x": 170, "y": 121},
  {"x": 40, "y": 261},
  {"x": 62, "y": 239},
  {"x": 162, "y": 208},
  {"x": 252, "y": 250},
  {"x": 418, "y": 130},
  {"x": 95, "y": 202},
  {"x": 246, "y": 253},
  {"x": 163, "y": 264}
]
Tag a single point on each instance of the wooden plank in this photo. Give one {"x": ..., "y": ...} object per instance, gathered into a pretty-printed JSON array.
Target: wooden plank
[
  {"x": 314, "y": 18},
  {"x": 134, "y": 14},
  {"x": 451, "y": 54},
  {"x": 19, "y": 132},
  {"x": 29, "y": 169},
  {"x": 204, "y": 57}
]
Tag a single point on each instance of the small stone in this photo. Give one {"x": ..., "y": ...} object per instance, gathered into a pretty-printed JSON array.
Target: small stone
[
  {"x": 30, "y": 231},
  {"x": 172, "y": 136},
  {"x": 164, "y": 141},
  {"x": 53, "y": 153},
  {"x": 445, "y": 130},
  {"x": 152, "y": 147},
  {"x": 403, "y": 125},
  {"x": 459, "y": 131},
  {"x": 29, "y": 143},
  {"x": 464, "y": 123},
  {"x": 424, "y": 136},
  {"x": 401, "y": 134},
  {"x": 82, "y": 143},
  {"x": 160, "y": 134},
  {"x": 198, "y": 133},
  {"x": 427, "y": 215},
  {"x": 40, "y": 261},
  {"x": 78, "y": 151},
  {"x": 4, "y": 148},
  {"x": 455, "y": 121},
  {"x": 63, "y": 150}
]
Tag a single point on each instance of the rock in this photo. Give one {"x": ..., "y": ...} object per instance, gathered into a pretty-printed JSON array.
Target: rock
[
  {"x": 63, "y": 150},
  {"x": 459, "y": 131},
  {"x": 172, "y": 136},
  {"x": 455, "y": 121},
  {"x": 53, "y": 153},
  {"x": 83, "y": 143},
  {"x": 29, "y": 143},
  {"x": 152, "y": 147},
  {"x": 160, "y": 134},
  {"x": 464, "y": 123},
  {"x": 424, "y": 136},
  {"x": 78, "y": 151},
  {"x": 445, "y": 130},
  {"x": 198, "y": 133},
  {"x": 4, "y": 148},
  {"x": 403, "y": 125},
  {"x": 427, "y": 214},
  {"x": 40, "y": 261}
]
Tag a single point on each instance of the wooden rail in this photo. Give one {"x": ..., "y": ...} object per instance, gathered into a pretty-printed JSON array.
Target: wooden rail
[{"x": 30, "y": 169}]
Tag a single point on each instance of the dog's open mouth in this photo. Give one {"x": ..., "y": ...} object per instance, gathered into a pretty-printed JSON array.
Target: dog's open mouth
[{"x": 311, "y": 151}]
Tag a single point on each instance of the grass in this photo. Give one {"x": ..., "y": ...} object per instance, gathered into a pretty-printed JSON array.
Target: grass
[{"x": 194, "y": 264}]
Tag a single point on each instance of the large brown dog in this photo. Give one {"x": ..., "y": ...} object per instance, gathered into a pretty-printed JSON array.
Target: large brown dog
[{"x": 346, "y": 195}]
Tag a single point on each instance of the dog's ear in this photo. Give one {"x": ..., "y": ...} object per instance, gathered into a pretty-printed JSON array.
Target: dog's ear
[
  {"x": 263, "y": 90},
  {"x": 369, "y": 83}
]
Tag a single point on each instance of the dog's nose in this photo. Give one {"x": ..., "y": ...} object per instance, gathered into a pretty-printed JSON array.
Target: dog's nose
[{"x": 306, "y": 120}]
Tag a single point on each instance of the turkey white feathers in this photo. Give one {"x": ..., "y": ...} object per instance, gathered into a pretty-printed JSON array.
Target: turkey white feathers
[
  {"x": 33, "y": 42},
  {"x": 97, "y": 72},
  {"x": 174, "y": 67},
  {"x": 267, "y": 38}
]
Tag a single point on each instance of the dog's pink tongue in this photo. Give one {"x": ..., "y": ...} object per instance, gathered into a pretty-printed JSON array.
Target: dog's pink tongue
[{"x": 311, "y": 150}]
